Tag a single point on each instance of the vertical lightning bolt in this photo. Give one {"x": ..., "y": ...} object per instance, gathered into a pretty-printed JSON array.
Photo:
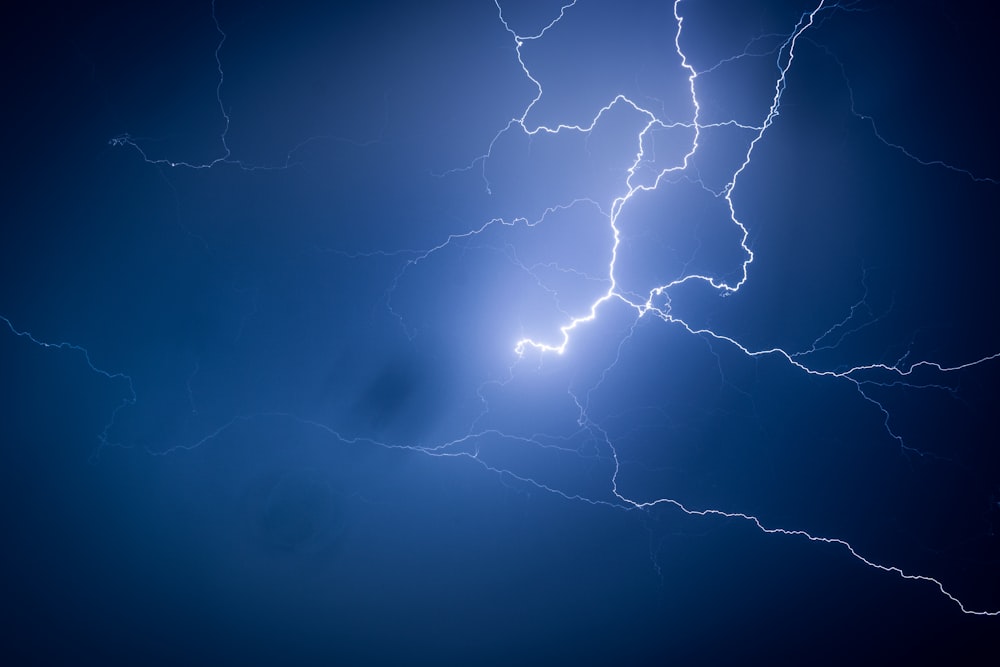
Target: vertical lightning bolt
[
  {"x": 478, "y": 441},
  {"x": 657, "y": 301}
]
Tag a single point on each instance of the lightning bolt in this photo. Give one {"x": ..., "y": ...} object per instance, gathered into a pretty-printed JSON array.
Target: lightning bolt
[
  {"x": 639, "y": 179},
  {"x": 657, "y": 301}
]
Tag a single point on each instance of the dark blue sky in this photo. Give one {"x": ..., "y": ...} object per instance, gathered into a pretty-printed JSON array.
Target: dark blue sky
[{"x": 265, "y": 267}]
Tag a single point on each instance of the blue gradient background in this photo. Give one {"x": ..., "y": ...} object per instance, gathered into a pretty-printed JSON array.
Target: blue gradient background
[{"x": 294, "y": 483}]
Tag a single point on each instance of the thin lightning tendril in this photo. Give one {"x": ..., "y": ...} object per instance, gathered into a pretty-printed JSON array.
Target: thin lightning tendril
[
  {"x": 226, "y": 158},
  {"x": 656, "y": 303},
  {"x": 129, "y": 400}
]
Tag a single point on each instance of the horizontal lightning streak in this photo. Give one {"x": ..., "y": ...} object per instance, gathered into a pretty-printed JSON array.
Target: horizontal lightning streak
[{"x": 467, "y": 448}]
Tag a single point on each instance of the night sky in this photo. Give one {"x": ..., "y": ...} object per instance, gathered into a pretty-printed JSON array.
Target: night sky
[{"x": 475, "y": 333}]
